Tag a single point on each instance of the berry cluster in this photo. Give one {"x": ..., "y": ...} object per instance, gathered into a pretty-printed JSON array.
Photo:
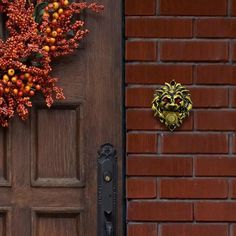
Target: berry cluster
[{"x": 38, "y": 32}]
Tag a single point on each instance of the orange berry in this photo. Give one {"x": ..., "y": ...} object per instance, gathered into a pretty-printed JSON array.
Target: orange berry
[
  {"x": 38, "y": 87},
  {"x": 46, "y": 48},
  {"x": 48, "y": 30},
  {"x": 59, "y": 30},
  {"x": 5, "y": 78},
  {"x": 54, "y": 21},
  {"x": 27, "y": 75},
  {"x": 55, "y": 5},
  {"x": 20, "y": 94},
  {"x": 14, "y": 79},
  {"x": 52, "y": 40},
  {"x": 55, "y": 15},
  {"x": 15, "y": 91},
  {"x": 27, "y": 88},
  {"x": 53, "y": 48},
  {"x": 60, "y": 11},
  {"x": 50, "y": 5},
  {"x": 11, "y": 72},
  {"x": 65, "y": 2},
  {"x": 7, "y": 90},
  {"x": 54, "y": 33},
  {"x": 48, "y": 40}
]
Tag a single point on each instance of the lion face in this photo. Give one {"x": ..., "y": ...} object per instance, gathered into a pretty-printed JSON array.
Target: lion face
[{"x": 172, "y": 104}]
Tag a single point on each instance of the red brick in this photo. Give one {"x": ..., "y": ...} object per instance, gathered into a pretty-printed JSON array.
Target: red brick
[
  {"x": 158, "y": 74},
  {"x": 233, "y": 97},
  {"x": 141, "y": 120},
  {"x": 212, "y": 120},
  {"x": 233, "y": 51},
  {"x": 145, "y": 120},
  {"x": 142, "y": 230},
  {"x": 233, "y": 230},
  {"x": 216, "y": 74},
  {"x": 139, "y": 97},
  {"x": 195, "y": 143},
  {"x": 234, "y": 144},
  {"x": 160, "y": 211},
  {"x": 233, "y": 188},
  {"x": 141, "y": 188},
  {"x": 158, "y": 28},
  {"x": 193, "y": 188},
  {"x": 194, "y": 230},
  {"x": 215, "y": 211},
  {"x": 141, "y": 51},
  {"x": 233, "y": 7},
  {"x": 141, "y": 143},
  {"x": 193, "y": 7},
  {"x": 215, "y": 166},
  {"x": 209, "y": 97},
  {"x": 220, "y": 28},
  {"x": 202, "y": 97},
  {"x": 136, "y": 7},
  {"x": 194, "y": 51},
  {"x": 159, "y": 166},
  {"x": 216, "y": 97}
]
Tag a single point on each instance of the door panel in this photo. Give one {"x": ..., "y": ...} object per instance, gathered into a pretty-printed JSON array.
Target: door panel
[
  {"x": 57, "y": 161},
  {"x": 48, "y": 164}
]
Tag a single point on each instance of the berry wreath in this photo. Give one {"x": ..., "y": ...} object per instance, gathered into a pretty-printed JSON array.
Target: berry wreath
[{"x": 38, "y": 32}]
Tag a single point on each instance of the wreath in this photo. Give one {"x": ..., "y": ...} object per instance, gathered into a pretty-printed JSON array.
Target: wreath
[{"x": 37, "y": 32}]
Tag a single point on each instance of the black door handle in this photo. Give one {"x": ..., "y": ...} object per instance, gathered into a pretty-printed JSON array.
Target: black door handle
[
  {"x": 108, "y": 223},
  {"x": 107, "y": 190}
]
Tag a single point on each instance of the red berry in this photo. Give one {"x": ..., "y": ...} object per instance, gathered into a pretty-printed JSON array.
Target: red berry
[
  {"x": 19, "y": 83},
  {"x": 31, "y": 93}
]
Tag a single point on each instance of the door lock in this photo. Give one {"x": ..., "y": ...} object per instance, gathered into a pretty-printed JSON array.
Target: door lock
[{"x": 107, "y": 176}]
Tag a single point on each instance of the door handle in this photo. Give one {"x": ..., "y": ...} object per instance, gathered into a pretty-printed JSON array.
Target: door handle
[
  {"x": 107, "y": 190},
  {"x": 108, "y": 223}
]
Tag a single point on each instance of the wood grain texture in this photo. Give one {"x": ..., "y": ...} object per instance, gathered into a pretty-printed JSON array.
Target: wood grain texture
[
  {"x": 48, "y": 164},
  {"x": 57, "y": 160},
  {"x": 56, "y": 221}
]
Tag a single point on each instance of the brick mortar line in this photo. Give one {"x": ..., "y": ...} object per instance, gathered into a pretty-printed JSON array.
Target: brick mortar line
[
  {"x": 170, "y": 156},
  {"x": 230, "y": 143},
  {"x": 200, "y": 109},
  {"x": 183, "y": 17},
  {"x": 225, "y": 86},
  {"x": 181, "y": 40},
  {"x": 189, "y": 200},
  {"x": 191, "y": 178},
  {"x": 179, "y": 63}
]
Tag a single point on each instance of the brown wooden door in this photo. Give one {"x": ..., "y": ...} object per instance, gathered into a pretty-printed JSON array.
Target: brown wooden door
[{"x": 48, "y": 165}]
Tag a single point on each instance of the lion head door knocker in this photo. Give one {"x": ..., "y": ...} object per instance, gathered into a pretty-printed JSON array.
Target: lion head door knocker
[{"x": 172, "y": 104}]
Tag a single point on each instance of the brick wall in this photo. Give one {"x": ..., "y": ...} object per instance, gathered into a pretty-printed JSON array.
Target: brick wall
[{"x": 181, "y": 183}]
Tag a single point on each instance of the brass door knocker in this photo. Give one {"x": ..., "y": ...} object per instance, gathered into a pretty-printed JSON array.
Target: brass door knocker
[{"x": 172, "y": 104}]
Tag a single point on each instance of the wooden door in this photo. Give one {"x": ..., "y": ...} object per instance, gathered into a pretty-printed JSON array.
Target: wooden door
[{"x": 48, "y": 165}]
